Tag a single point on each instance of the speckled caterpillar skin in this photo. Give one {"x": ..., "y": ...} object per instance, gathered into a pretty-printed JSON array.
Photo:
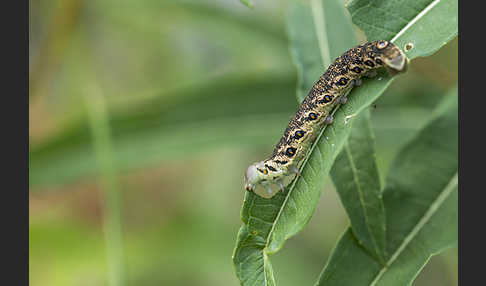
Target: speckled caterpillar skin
[{"x": 314, "y": 112}]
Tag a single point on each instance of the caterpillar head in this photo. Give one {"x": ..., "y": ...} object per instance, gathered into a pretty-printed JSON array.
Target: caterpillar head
[
  {"x": 254, "y": 174},
  {"x": 394, "y": 59}
]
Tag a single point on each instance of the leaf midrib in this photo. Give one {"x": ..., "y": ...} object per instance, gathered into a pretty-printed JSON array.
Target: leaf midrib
[{"x": 415, "y": 19}]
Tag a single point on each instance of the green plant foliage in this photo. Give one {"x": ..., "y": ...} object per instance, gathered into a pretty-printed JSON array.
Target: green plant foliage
[
  {"x": 356, "y": 178},
  {"x": 426, "y": 24},
  {"x": 147, "y": 190},
  {"x": 169, "y": 92},
  {"x": 275, "y": 220},
  {"x": 178, "y": 115},
  {"x": 310, "y": 30},
  {"x": 421, "y": 202},
  {"x": 269, "y": 222},
  {"x": 247, "y": 3}
]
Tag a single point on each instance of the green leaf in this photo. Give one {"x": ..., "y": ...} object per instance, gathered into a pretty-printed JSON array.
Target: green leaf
[
  {"x": 357, "y": 181},
  {"x": 426, "y": 24},
  {"x": 421, "y": 202},
  {"x": 317, "y": 34}
]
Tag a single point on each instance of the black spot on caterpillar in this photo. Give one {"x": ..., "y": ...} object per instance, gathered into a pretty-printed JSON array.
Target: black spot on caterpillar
[{"x": 314, "y": 112}]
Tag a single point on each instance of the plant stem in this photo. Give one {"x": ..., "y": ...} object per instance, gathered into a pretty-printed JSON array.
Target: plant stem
[{"x": 100, "y": 129}]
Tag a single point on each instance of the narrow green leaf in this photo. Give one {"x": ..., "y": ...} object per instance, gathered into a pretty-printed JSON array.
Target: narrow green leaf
[
  {"x": 421, "y": 202},
  {"x": 357, "y": 181},
  {"x": 318, "y": 34},
  {"x": 159, "y": 125},
  {"x": 112, "y": 221},
  {"x": 425, "y": 24}
]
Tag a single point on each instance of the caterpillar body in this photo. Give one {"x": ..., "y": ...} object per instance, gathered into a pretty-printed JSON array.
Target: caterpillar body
[{"x": 314, "y": 112}]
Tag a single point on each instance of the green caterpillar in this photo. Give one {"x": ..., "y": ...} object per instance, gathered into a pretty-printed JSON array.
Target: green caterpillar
[{"x": 315, "y": 110}]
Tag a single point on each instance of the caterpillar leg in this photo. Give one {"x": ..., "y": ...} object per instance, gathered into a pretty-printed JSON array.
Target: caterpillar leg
[
  {"x": 294, "y": 170},
  {"x": 343, "y": 100},
  {"x": 329, "y": 119},
  {"x": 280, "y": 184},
  {"x": 371, "y": 74},
  {"x": 357, "y": 82}
]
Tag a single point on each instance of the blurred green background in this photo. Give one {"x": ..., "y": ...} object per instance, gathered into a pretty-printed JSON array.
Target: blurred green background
[{"x": 143, "y": 118}]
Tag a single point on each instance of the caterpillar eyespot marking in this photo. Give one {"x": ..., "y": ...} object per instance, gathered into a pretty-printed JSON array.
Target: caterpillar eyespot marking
[
  {"x": 299, "y": 134},
  {"x": 312, "y": 116},
  {"x": 370, "y": 63},
  {"x": 357, "y": 69},
  {"x": 264, "y": 171},
  {"x": 342, "y": 81},
  {"x": 290, "y": 152},
  {"x": 326, "y": 99},
  {"x": 315, "y": 111}
]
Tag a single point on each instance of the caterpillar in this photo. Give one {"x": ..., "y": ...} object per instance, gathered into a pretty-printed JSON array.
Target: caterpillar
[{"x": 316, "y": 109}]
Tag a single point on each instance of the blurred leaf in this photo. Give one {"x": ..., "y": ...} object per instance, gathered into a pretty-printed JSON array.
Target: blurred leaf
[
  {"x": 318, "y": 34},
  {"x": 357, "y": 181},
  {"x": 426, "y": 24},
  {"x": 50, "y": 49},
  {"x": 247, "y": 3},
  {"x": 200, "y": 11},
  {"x": 421, "y": 202},
  {"x": 182, "y": 123},
  {"x": 152, "y": 53}
]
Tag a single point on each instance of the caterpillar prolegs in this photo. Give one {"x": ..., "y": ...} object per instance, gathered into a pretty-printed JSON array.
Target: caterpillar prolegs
[{"x": 315, "y": 110}]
